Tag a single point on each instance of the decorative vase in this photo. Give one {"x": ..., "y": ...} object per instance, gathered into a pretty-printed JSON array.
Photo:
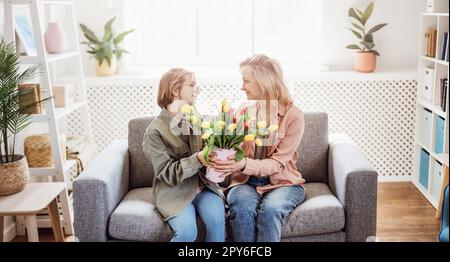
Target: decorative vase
[
  {"x": 364, "y": 62},
  {"x": 14, "y": 175},
  {"x": 221, "y": 154},
  {"x": 55, "y": 39},
  {"x": 105, "y": 69}
]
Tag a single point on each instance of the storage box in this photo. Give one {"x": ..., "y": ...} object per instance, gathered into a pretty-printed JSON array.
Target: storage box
[
  {"x": 425, "y": 127},
  {"x": 437, "y": 6},
  {"x": 436, "y": 180},
  {"x": 424, "y": 168},
  {"x": 426, "y": 90},
  {"x": 63, "y": 94},
  {"x": 38, "y": 150},
  {"x": 31, "y": 96},
  {"x": 439, "y": 132}
]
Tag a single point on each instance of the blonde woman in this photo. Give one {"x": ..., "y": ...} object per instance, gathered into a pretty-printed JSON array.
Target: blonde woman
[
  {"x": 180, "y": 188},
  {"x": 266, "y": 185}
]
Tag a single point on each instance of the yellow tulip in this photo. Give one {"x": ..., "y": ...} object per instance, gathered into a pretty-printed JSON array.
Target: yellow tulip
[
  {"x": 221, "y": 124},
  {"x": 226, "y": 108},
  {"x": 206, "y": 135},
  {"x": 261, "y": 124},
  {"x": 232, "y": 127},
  {"x": 186, "y": 109},
  {"x": 249, "y": 138},
  {"x": 258, "y": 142},
  {"x": 273, "y": 128},
  {"x": 194, "y": 120},
  {"x": 206, "y": 125},
  {"x": 224, "y": 102}
]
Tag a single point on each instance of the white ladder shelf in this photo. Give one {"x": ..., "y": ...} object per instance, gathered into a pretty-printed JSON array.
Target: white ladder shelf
[{"x": 59, "y": 172}]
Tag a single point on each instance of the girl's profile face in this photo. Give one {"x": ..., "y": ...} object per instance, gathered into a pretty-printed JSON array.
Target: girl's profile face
[
  {"x": 249, "y": 84},
  {"x": 189, "y": 90}
]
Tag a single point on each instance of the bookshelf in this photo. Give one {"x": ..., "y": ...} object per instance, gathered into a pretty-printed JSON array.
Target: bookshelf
[{"x": 432, "y": 108}]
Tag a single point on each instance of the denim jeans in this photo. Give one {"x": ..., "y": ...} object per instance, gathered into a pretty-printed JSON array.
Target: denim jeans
[
  {"x": 211, "y": 209},
  {"x": 260, "y": 218}
]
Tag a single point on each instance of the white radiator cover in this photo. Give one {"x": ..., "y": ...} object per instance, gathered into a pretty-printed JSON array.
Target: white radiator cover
[{"x": 376, "y": 111}]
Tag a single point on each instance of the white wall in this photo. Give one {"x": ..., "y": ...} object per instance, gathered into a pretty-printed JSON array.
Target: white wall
[
  {"x": 2, "y": 19},
  {"x": 397, "y": 42}
]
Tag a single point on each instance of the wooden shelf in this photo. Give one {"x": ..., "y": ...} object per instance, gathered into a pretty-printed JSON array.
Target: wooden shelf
[
  {"x": 33, "y": 60},
  {"x": 430, "y": 106},
  {"x": 51, "y": 171},
  {"x": 60, "y": 112}
]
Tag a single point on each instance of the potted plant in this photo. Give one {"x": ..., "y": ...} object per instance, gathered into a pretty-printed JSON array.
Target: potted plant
[
  {"x": 14, "y": 117},
  {"x": 225, "y": 133},
  {"x": 107, "y": 50},
  {"x": 365, "y": 57}
]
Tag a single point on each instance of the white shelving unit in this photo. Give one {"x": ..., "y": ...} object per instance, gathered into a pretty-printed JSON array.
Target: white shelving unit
[
  {"x": 432, "y": 121},
  {"x": 40, "y": 14}
]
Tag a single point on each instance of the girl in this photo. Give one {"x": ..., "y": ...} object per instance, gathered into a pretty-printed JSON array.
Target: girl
[
  {"x": 266, "y": 185},
  {"x": 179, "y": 187}
]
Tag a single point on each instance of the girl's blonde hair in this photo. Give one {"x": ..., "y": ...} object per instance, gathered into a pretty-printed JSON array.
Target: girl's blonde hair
[
  {"x": 269, "y": 76},
  {"x": 171, "y": 81}
]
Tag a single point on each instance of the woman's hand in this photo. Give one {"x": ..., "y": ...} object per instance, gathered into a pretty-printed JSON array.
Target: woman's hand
[{"x": 228, "y": 166}]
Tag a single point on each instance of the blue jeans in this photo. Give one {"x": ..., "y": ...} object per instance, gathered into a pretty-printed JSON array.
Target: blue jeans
[
  {"x": 211, "y": 209},
  {"x": 260, "y": 218}
]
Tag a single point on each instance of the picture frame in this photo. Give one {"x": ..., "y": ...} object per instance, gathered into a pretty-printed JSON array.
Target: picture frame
[{"x": 24, "y": 31}]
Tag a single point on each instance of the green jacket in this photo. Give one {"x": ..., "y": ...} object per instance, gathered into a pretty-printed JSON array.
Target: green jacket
[{"x": 176, "y": 167}]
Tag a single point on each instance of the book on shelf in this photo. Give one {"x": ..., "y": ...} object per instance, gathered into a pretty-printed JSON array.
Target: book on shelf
[
  {"x": 443, "y": 93},
  {"x": 430, "y": 40},
  {"x": 444, "y": 46}
]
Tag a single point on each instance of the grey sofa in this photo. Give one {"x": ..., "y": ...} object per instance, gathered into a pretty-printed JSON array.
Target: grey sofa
[{"x": 113, "y": 196}]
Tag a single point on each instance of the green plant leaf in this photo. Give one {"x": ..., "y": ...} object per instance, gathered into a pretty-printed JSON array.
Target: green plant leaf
[
  {"x": 359, "y": 12},
  {"x": 358, "y": 27},
  {"x": 121, "y": 36},
  {"x": 375, "y": 52},
  {"x": 366, "y": 15},
  {"x": 89, "y": 34},
  {"x": 108, "y": 30},
  {"x": 240, "y": 154},
  {"x": 352, "y": 13},
  {"x": 367, "y": 45},
  {"x": 353, "y": 47},
  {"x": 376, "y": 28},
  {"x": 368, "y": 38},
  {"x": 358, "y": 35}
]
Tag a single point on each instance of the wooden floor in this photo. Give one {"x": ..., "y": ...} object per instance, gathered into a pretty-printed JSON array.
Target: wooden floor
[{"x": 403, "y": 215}]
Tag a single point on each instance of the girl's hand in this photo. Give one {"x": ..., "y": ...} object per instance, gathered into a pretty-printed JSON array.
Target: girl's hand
[{"x": 201, "y": 158}]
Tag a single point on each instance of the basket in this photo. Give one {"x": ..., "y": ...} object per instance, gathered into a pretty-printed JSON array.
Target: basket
[
  {"x": 38, "y": 150},
  {"x": 14, "y": 176}
]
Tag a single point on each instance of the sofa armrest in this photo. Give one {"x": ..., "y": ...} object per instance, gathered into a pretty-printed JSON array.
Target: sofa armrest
[
  {"x": 98, "y": 190},
  {"x": 354, "y": 182}
]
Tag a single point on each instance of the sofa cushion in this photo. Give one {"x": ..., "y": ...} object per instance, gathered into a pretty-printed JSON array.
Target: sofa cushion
[
  {"x": 141, "y": 169},
  {"x": 320, "y": 213},
  {"x": 313, "y": 149},
  {"x": 136, "y": 219}
]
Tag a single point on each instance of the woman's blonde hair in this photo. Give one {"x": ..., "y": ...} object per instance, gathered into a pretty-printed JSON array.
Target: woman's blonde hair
[
  {"x": 171, "y": 81},
  {"x": 269, "y": 76}
]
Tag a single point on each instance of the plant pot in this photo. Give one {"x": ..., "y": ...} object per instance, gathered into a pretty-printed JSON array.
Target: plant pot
[
  {"x": 364, "y": 62},
  {"x": 14, "y": 175},
  {"x": 105, "y": 69},
  {"x": 55, "y": 39},
  {"x": 221, "y": 154}
]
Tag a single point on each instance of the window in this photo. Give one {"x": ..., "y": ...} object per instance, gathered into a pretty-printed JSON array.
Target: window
[{"x": 222, "y": 32}]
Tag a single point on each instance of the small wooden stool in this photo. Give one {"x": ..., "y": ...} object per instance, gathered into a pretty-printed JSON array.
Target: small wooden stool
[{"x": 33, "y": 199}]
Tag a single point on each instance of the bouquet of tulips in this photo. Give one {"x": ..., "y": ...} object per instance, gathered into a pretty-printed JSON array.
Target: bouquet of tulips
[{"x": 226, "y": 132}]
